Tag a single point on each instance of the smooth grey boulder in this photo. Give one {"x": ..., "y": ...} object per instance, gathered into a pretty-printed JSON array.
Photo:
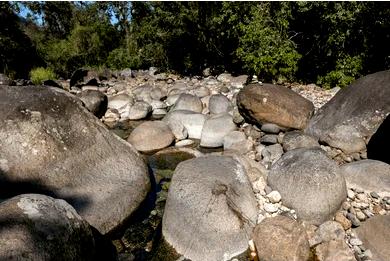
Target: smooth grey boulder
[
  {"x": 218, "y": 103},
  {"x": 354, "y": 114},
  {"x": 50, "y": 143},
  {"x": 374, "y": 234},
  {"x": 297, "y": 139},
  {"x": 95, "y": 101},
  {"x": 310, "y": 183},
  {"x": 233, "y": 138},
  {"x": 215, "y": 129},
  {"x": 120, "y": 102},
  {"x": 188, "y": 102},
  {"x": 281, "y": 239},
  {"x": 151, "y": 136},
  {"x": 270, "y": 128},
  {"x": 371, "y": 175},
  {"x": 211, "y": 209},
  {"x": 38, "y": 227},
  {"x": 139, "y": 110},
  {"x": 192, "y": 121},
  {"x": 269, "y": 103}
]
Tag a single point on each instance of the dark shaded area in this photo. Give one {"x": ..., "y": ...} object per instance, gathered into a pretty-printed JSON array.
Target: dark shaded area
[
  {"x": 10, "y": 188},
  {"x": 379, "y": 144}
]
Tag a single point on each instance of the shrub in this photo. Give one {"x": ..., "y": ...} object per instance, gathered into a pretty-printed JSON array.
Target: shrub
[{"x": 40, "y": 74}]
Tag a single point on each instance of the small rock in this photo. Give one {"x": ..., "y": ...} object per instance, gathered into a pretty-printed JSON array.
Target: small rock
[
  {"x": 270, "y": 208},
  {"x": 274, "y": 197},
  {"x": 269, "y": 139},
  {"x": 270, "y": 128},
  {"x": 184, "y": 143},
  {"x": 374, "y": 195},
  {"x": 345, "y": 222},
  {"x": 355, "y": 241},
  {"x": 353, "y": 219},
  {"x": 350, "y": 194}
]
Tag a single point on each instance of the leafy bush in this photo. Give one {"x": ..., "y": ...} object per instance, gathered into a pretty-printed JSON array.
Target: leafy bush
[
  {"x": 265, "y": 48},
  {"x": 346, "y": 71},
  {"x": 40, "y": 74},
  {"x": 121, "y": 58}
]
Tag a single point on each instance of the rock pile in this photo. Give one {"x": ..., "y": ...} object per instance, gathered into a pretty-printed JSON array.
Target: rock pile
[{"x": 284, "y": 168}]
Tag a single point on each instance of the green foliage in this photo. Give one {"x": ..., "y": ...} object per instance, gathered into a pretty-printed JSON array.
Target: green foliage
[
  {"x": 40, "y": 74},
  {"x": 265, "y": 47},
  {"x": 346, "y": 71},
  {"x": 330, "y": 43}
]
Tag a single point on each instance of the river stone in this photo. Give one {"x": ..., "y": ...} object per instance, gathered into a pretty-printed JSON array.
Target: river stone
[
  {"x": 310, "y": 183},
  {"x": 121, "y": 102},
  {"x": 193, "y": 122},
  {"x": 188, "y": 102},
  {"x": 334, "y": 250},
  {"x": 233, "y": 138},
  {"x": 151, "y": 136},
  {"x": 375, "y": 236},
  {"x": 215, "y": 129},
  {"x": 270, "y": 128},
  {"x": 371, "y": 175},
  {"x": 268, "y": 103},
  {"x": 218, "y": 103},
  {"x": 139, "y": 110},
  {"x": 354, "y": 114},
  {"x": 49, "y": 143},
  {"x": 40, "y": 227},
  {"x": 95, "y": 101},
  {"x": 209, "y": 217},
  {"x": 297, "y": 139},
  {"x": 281, "y": 239}
]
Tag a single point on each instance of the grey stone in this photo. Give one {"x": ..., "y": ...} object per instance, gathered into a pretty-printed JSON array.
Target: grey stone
[
  {"x": 95, "y": 101},
  {"x": 297, "y": 139},
  {"x": 272, "y": 153},
  {"x": 354, "y": 114},
  {"x": 281, "y": 239},
  {"x": 269, "y": 139},
  {"x": 139, "y": 110},
  {"x": 212, "y": 218},
  {"x": 151, "y": 136},
  {"x": 188, "y": 102},
  {"x": 310, "y": 183},
  {"x": 38, "y": 227},
  {"x": 121, "y": 103},
  {"x": 371, "y": 175},
  {"x": 215, "y": 129},
  {"x": 49, "y": 141},
  {"x": 218, "y": 103},
  {"x": 270, "y": 128},
  {"x": 193, "y": 122}
]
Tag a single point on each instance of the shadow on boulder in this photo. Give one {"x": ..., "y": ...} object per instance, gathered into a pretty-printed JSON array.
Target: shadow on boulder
[{"x": 379, "y": 144}]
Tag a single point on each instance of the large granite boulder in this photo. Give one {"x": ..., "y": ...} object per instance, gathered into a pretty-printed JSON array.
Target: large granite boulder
[
  {"x": 281, "y": 239},
  {"x": 354, "y": 114},
  {"x": 215, "y": 129},
  {"x": 192, "y": 121},
  {"x": 268, "y": 103},
  {"x": 210, "y": 210},
  {"x": 374, "y": 234},
  {"x": 188, "y": 102},
  {"x": 310, "y": 183},
  {"x": 38, "y": 227},
  {"x": 369, "y": 175},
  {"x": 50, "y": 144}
]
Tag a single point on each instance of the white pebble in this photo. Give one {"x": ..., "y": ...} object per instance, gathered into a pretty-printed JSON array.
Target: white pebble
[
  {"x": 270, "y": 208},
  {"x": 274, "y": 196}
]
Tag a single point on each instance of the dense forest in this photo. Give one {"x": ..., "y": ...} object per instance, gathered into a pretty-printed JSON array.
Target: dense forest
[{"x": 328, "y": 43}]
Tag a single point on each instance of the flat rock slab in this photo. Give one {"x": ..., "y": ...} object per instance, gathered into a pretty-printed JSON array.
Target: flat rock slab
[
  {"x": 354, "y": 114},
  {"x": 268, "y": 103},
  {"x": 211, "y": 209},
  {"x": 50, "y": 144}
]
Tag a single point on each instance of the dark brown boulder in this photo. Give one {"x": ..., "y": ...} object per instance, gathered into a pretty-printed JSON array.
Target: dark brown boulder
[{"x": 269, "y": 103}]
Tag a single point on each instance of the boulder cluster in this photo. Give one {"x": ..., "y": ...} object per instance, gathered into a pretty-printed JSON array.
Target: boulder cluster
[{"x": 265, "y": 172}]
